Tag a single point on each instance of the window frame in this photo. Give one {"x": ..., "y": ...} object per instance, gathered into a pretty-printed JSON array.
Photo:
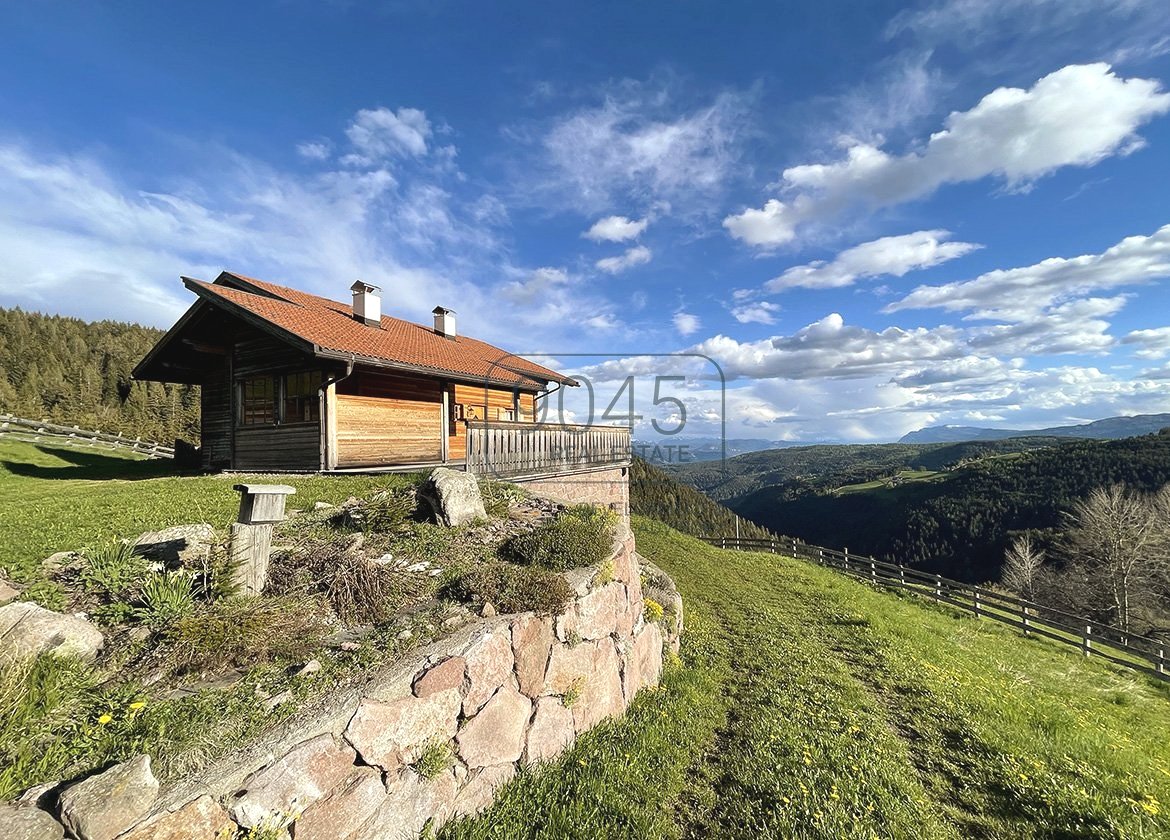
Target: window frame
[
  {"x": 242, "y": 415},
  {"x": 312, "y": 398},
  {"x": 278, "y": 388}
]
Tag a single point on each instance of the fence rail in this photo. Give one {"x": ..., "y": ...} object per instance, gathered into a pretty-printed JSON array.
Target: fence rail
[
  {"x": 1092, "y": 638},
  {"x": 510, "y": 449},
  {"x": 21, "y": 428}
]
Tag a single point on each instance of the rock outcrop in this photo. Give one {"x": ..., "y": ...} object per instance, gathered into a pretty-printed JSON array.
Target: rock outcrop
[
  {"x": 454, "y": 496},
  {"x": 28, "y": 629}
]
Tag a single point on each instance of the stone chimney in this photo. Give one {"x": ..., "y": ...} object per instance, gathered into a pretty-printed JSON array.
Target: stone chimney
[
  {"x": 367, "y": 304},
  {"x": 445, "y": 322}
]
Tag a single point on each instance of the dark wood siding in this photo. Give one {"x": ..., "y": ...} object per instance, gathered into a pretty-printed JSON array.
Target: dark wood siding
[
  {"x": 385, "y": 419},
  {"x": 215, "y": 406},
  {"x": 295, "y": 447}
]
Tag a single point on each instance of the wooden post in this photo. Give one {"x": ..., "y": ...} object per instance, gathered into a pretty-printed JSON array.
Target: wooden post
[
  {"x": 937, "y": 586},
  {"x": 261, "y": 505},
  {"x": 977, "y": 610},
  {"x": 902, "y": 575},
  {"x": 723, "y": 542},
  {"x": 794, "y": 548},
  {"x": 872, "y": 571},
  {"x": 772, "y": 543},
  {"x": 845, "y": 562},
  {"x": 1161, "y": 663},
  {"x": 1024, "y": 619},
  {"x": 1087, "y": 640}
]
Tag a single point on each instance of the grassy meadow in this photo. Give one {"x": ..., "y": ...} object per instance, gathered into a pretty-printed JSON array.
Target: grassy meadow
[
  {"x": 805, "y": 704},
  {"x": 808, "y": 705}
]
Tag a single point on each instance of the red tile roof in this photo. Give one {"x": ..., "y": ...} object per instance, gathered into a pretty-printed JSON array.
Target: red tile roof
[{"x": 330, "y": 327}]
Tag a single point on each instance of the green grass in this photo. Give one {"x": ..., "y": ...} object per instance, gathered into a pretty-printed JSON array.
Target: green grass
[
  {"x": 59, "y": 498},
  {"x": 903, "y": 477},
  {"x": 811, "y": 706}
]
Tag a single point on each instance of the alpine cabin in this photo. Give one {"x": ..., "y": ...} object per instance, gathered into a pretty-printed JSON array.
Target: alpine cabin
[{"x": 295, "y": 382}]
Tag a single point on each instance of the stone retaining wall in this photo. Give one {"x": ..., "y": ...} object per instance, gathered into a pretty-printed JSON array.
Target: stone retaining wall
[
  {"x": 499, "y": 693},
  {"x": 608, "y": 488}
]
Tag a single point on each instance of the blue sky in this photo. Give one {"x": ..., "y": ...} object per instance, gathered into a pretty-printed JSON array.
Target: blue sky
[{"x": 872, "y": 216}]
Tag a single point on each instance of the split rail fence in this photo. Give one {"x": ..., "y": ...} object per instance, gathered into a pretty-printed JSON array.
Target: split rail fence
[
  {"x": 20, "y": 428},
  {"x": 1128, "y": 650}
]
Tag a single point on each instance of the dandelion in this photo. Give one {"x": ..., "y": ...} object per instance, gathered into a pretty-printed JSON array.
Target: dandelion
[
  {"x": 105, "y": 718},
  {"x": 137, "y": 704}
]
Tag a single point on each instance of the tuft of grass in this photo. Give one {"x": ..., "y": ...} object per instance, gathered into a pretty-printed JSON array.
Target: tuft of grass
[
  {"x": 499, "y": 496},
  {"x": 580, "y": 536},
  {"x": 573, "y": 693},
  {"x": 112, "y": 568},
  {"x": 166, "y": 598},
  {"x": 240, "y": 632},
  {"x": 510, "y": 588},
  {"x": 435, "y": 758}
]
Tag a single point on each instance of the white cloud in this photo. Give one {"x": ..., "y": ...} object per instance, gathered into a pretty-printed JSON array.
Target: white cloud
[
  {"x": 1021, "y": 293},
  {"x": 890, "y": 255},
  {"x": 759, "y": 312},
  {"x": 616, "y": 229},
  {"x": 638, "y": 146},
  {"x": 1076, "y": 116},
  {"x": 638, "y": 255},
  {"x": 380, "y": 133},
  {"x": 314, "y": 150},
  {"x": 551, "y": 298},
  {"x": 1151, "y": 344},
  {"x": 686, "y": 323}
]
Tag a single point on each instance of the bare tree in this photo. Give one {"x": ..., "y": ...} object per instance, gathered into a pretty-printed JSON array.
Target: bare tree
[
  {"x": 1118, "y": 546},
  {"x": 1022, "y": 565}
]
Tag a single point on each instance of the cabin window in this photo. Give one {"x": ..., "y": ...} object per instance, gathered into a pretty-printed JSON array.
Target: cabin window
[
  {"x": 301, "y": 403},
  {"x": 258, "y": 401}
]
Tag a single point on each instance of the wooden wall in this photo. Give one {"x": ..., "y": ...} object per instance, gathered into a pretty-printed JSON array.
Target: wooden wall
[
  {"x": 292, "y": 447},
  {"x": 489, "y": 401},
  {"x": 384, "y": 419},
  {"x": 215, "y": 419}
]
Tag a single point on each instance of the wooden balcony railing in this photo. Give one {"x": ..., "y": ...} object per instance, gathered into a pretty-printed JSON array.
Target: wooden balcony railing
[{"x": 515, "y": 449}]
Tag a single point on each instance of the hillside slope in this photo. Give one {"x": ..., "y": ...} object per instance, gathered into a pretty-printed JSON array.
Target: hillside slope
[
  {"x": 811, "y": 706},
  {"x": 657, "y": 494},
  {"x": 960, "y": 523},
  {"x": 1108, "y": 429}
]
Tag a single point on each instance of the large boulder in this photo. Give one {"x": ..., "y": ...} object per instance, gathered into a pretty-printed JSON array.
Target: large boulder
[
  {"x": 105, "y": 805},
  {"x": 28, "y": 823},
  {"x": 188, "y": 545},
  {"x": 453, "y": 496},
  {"x": 28, "y": 629}
]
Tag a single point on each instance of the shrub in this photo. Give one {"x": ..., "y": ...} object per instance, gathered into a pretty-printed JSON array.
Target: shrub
[
  {"x": 166, "y": 598},
  {"x": 498, "y": 496},
  {"x": 435, "y": 758},
  {"x": 573, "y": 693},
  {"x": 579, "y": 536},
  {"x": 511, "y": 588},
  {"x": 652, "y": 610},
  {"x": 112, "y": 568},
  {"x": 605, "y": 573},
  {"x": 385, "y": 511},
  {"x": 246, "y": 631},
  {"x": 360, "y": 591}
]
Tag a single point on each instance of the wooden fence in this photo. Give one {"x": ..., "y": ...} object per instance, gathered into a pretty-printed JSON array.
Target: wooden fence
[
  {"x": 510, "y": 449},
  {"x": 1092, "y": 638},
  {"x": 20, "y": 428}
]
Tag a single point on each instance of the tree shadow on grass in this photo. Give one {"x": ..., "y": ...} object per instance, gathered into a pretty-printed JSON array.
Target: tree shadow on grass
[{"x": 94, "y": 466}]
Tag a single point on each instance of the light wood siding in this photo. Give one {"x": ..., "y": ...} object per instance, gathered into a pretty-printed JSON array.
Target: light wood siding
[
  {"x": 385, "y": 419},
  {"x": 294, "y": 447},
  {"x": 491, "y": 402},
  {"x": 215, "y": 424}
]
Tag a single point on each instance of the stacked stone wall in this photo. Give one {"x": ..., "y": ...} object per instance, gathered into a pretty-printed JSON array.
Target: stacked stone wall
[{"x": 499, "y": 693}]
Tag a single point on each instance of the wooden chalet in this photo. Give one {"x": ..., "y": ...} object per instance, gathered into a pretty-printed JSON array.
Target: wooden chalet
[{"x": 296, "y": 382}]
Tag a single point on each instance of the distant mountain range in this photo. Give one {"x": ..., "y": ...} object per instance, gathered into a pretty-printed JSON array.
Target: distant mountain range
[{"x": 1111, "y": 428}]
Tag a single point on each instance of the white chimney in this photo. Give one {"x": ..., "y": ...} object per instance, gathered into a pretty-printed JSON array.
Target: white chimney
[
  {"x": 367, "y": 303},
  {"x": 445, "y": 322}
]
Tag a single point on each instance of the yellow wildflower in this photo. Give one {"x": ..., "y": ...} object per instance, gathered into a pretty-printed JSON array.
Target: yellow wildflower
[{"x": 105, "y": 718}]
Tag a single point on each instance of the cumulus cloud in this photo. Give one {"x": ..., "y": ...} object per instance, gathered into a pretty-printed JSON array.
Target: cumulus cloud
[
  {"x": 686, "y": 323},
  {"x": 380, "y": 133},
  {"x": 551, "y": 297},
  {"x": 638, "y": 255},
  {"x": 757, "y": 312},
  {"x": 1151, "y": 344},
  {"x": 890, "y": 255},
  {"x": 616, "y": 229},
  {"x": 1075, "y": 116},
  {"x": 1017, "y": 294}
]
